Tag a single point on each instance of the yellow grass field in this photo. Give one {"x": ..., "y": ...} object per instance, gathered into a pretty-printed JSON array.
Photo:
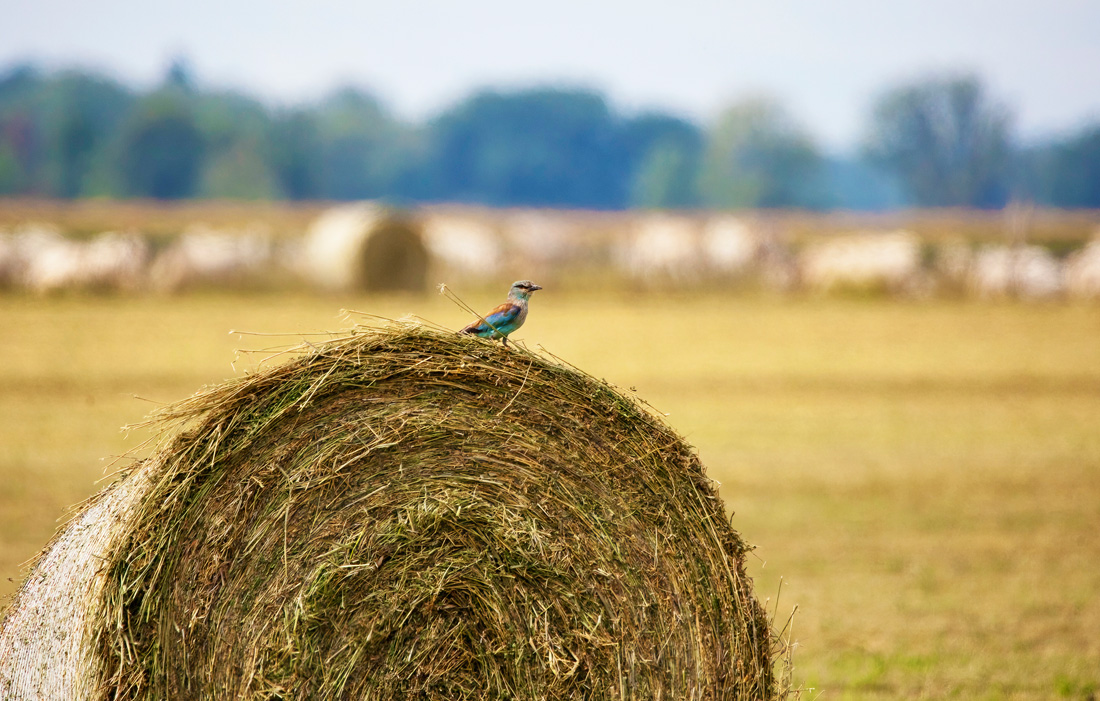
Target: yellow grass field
[{"x": 924, "y": 477}]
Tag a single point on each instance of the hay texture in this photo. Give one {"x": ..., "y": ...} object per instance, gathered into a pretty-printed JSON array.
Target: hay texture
[
  {"x": 405, "y": 514},
  {"x": 366, "y": 246}
]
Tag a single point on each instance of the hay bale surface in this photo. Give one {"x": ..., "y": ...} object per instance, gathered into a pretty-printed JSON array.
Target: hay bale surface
[
  {"x": 46, "y": 635},
  {"x": 402, "y": 513}
]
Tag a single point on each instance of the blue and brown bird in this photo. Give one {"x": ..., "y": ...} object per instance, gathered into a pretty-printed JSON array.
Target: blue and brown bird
[{"x": 507, "y": 317}]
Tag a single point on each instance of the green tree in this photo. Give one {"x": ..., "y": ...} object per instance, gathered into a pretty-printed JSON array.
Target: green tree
[
  {"x": 21, "y": 153},
  {"x": 544, "y": 147},
  {"x": 945, "y": 140},
  {"x": 235, "y": 133},
  {"x": 1065, "y": 173},
  {"x": 9, "y": 170},
  {"x": 239, "y": 173},
  {"x": 757, "y": 156},
  {"x": 854, "y": 184},
  {"x": 362, "y": 147},
  {"x": 80, "y": 117},
  {"x": 665, "y": 155},
  {"x": 55, "y": 128},
  {"x": 161, "y": 149},
  {"x": 296, "y": 154}
]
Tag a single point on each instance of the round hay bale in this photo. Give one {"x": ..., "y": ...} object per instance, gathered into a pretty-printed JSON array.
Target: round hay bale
[
  {"x": 365, "y": 246},
  {"x": 403, "y": 513}
]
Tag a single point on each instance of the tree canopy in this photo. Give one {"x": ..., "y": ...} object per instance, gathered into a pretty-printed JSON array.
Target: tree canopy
[
  {"x": 941, "y": 141},
  {"x": 758, "y": 157},
  {"x": 946, "y": 140}
]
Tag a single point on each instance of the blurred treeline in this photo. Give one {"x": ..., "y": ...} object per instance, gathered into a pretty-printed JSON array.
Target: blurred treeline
[{"x": 942, "y": 141}]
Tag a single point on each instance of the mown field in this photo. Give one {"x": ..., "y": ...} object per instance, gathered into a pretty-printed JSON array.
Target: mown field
[{"x": 924, "y": 477}]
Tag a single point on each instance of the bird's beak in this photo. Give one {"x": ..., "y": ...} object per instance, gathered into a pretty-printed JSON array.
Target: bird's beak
[{"x": 536, "y": 287}]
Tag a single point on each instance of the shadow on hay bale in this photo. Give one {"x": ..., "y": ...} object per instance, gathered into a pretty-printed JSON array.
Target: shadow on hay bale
[
  {"x": 402, "y": 513},
  {"x": 365, "y": 246}
]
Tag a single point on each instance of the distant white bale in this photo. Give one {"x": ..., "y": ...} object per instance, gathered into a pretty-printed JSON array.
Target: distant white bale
[
  {"x": 777, "y": 263},
  {"x": 890, "y": 260},
  {"x": 1029, "y": 272},
  {"x": 115, "y": 260},
  {"x": 663, "y": 245},
  {"x": 365, "y": 246},
  {"x": 544, "y": 237},
  {"x": 1039, "y": 273},
  {"x": 110, "y": 261},
  {"x": 991, "y": 273},
  {"x": 954, "y": 260},
  {"x": 53, "y": 266},
  {"x": 18, "y": 247},
  {"x": 465, "y": 243},
  {"x": 1082, "y": 273},
  {"x": 206, "y": 256},
  {"x": 34, "y": 236},
  {"x": 729, "y": 245}
]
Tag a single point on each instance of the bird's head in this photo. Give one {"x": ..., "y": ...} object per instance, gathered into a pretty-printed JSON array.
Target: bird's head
[{"x": 522, "y": 289}]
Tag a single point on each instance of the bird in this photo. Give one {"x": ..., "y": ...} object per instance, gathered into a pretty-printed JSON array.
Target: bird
[{"x": 507, "y": 317}]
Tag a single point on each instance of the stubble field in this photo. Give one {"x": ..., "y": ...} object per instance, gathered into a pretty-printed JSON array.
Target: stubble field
[{"x": 924, "y": 477}]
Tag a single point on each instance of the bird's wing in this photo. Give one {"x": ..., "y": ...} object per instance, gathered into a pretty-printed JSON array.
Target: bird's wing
[
  {"x": 499, "y": 318},
  {"x": 504, "y": 314}
]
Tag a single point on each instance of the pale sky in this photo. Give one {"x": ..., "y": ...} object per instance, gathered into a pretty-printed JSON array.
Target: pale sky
[{"x": 826, "y": 61}]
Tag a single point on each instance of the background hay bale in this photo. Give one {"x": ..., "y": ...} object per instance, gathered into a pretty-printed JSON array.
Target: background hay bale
[
  {"x": 365, "y": 246},
  {"x": 663, "y": 246},
  {"x": 1083, "y": 271},
  {"x": 866, "y": 261},
  {"x": 207, "y": 257},
  {"x": 730, "y": 245},
  {"x": 111, "y": 261},
  {"x": 464, "y": 242},
  {"x": 407, "y": 514},
  {"x": 1027, "y": 272}
]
